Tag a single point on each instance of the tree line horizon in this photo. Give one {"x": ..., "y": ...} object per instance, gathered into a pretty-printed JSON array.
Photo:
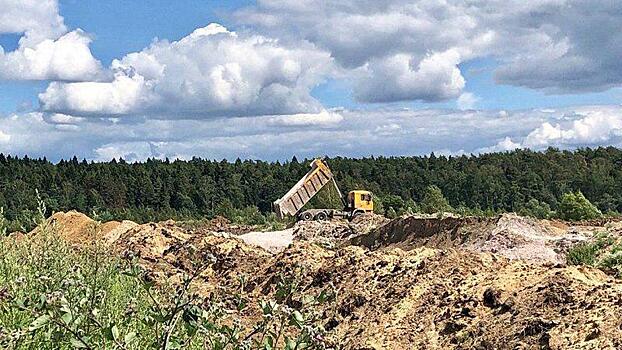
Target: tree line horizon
[{"x": 155, "y": 189}]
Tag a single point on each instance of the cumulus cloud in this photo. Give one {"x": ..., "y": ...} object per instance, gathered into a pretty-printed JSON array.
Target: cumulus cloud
[
  {"x": 504, "y": 145},
  {"x": 67, "y": 58},
  {"x": 558, "y": 46},
  {"x": 211, "y": 72},
  {"x": 435, "y": 78},
  {"x": 593, "y": 127},
  {"x": 358, "y": 133},
  {"x": 36, "y": 19},
  {"x": 45, "y": 50}
]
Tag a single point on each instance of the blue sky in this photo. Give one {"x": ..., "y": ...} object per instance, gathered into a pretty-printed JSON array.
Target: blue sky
[{"x": 306, "y": 68}]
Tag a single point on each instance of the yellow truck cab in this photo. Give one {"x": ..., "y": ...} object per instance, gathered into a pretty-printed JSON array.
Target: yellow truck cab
[{"x": 360, "y": 201}]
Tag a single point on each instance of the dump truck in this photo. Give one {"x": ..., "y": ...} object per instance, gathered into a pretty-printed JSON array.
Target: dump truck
[{"x": 292, "y": 203}]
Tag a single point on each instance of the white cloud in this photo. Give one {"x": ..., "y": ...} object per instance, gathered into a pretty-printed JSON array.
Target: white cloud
[
  {"x": 504, "y": 145},
  {"x": 593, "y": 127},
  {"x": 45, "y": 50},
  {"x": 554, "y": 45},
  {"x": 67, "y": 58},
  {"x": 325, "y": 118},
  {"x": 468, "y": 100},
  {"x": 211, "y": 72},
  {"x": 434, "y": 78},
  {"x": 4, "y": 137},
  {"x": 37, "y": 19},
  {"x": 354, "y": 133}
]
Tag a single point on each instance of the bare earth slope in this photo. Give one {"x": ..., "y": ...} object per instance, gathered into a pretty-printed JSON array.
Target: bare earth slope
[{"x": 411, "y": 283}]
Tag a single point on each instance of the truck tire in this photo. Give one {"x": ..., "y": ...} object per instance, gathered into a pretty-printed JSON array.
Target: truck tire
[
  {"x": 321, "y": 216},
  {"x": 356, "y": 213},
  {"x": 306, "y": 216}
]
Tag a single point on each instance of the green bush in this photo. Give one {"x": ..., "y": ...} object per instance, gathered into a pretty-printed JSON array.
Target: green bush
[
  {"x": 391, "y": 213},
  {"x": 536, "y": 209},
  {"x": 583, "y": 254},
  {"x": 394, "y": 202},
  {"x": 574, "y": 207},
  {"x": 604, "y": 253},
  {"x": 57, "y": 296},
  {"x": 4, "y": 224},
  {"x": 434, "y": 201},
  {"x": 612, "y": 262}
]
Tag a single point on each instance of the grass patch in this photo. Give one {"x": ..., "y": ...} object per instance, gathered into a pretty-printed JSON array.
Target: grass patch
[{"x": 604, "y": 253}]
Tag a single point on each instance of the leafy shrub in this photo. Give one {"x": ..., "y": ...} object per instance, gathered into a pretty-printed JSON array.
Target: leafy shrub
[
  {"x": 583, "y": 254},
  {"x": 434, "y": 201},
  {"x": 4, "y": 224},
  {"x": 574, "y": 206},
  {"x": 391, "y": 201},
  {"x": 588, "y": 252},
  {"x": 612, "y": 262},
  {"x": 536, "y": 209},
  {"x": 410, "y": 207},
  {"x": 55, "y": 296},
  {"x": 391, "y": 213}
]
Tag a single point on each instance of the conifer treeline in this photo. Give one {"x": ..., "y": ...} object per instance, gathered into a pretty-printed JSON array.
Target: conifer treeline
[{"x": 156, "y": 189}]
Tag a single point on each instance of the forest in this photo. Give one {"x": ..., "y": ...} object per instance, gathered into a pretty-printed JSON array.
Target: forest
[{"x": 194, "y": 189}]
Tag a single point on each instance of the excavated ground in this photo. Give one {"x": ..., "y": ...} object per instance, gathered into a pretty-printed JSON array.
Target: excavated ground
[
  {"x": 509, "y": 235},
  {"x": 410, "y": 283}
]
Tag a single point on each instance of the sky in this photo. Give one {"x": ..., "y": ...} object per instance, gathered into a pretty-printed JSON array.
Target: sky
[{"x": 270, "y": 79}]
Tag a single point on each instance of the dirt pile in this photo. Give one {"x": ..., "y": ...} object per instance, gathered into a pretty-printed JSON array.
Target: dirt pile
[
  {"x": 169, "y": 251},
  {"x": 334, "y": 232},
  {"x": 473, "y": 283},
  {"x": 508, "y": 235},
  {"x": 436, "y": 299}
]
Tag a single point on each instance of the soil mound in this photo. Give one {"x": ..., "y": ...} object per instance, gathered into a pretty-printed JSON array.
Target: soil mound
[
  {"x": 447, "y": 299},
  {"x": 425, "y": 283},
  {"x": 72, "y": 226},
  {"x": 508, "y": 235},
  {"x": 336, "y": 231},
  {"x": 169, "y": 251}
]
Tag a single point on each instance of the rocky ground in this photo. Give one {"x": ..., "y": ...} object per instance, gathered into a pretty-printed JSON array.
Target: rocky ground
[{"x": 407, "y": 283}]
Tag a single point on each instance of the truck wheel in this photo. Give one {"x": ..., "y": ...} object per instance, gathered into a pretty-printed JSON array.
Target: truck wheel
[
  {"x": 356, "y": 213},
  {"x": 306, "y": 216},
  {"x": 321, "y": 216}
]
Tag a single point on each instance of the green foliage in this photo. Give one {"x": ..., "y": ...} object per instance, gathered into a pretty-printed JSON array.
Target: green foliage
[
  {"x": 410, "y": 207},
  {"x": 54, "y": 296},
  {"x": 536, "y": 209},
  {"x": 158, "y": 190},
  {"x": 613, "y": 262},
  {"x": 434, "y": 201},
  {"x": 391, "y": 213},
  {"x": 4, "y": 225},
  {"x": 392, "y": 201},
  {"x": 574, "y": 206},
  {"x": 57, "y": 298},
  {"x": 587, "y": 253},
  {"x": 583, "y": 254}
]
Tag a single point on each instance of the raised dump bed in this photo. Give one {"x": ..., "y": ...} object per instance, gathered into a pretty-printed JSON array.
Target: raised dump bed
[{"x": 304, "y": 190}]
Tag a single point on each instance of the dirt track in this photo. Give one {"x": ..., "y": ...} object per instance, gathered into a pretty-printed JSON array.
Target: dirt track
[{"x": 477, "y": 283}]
